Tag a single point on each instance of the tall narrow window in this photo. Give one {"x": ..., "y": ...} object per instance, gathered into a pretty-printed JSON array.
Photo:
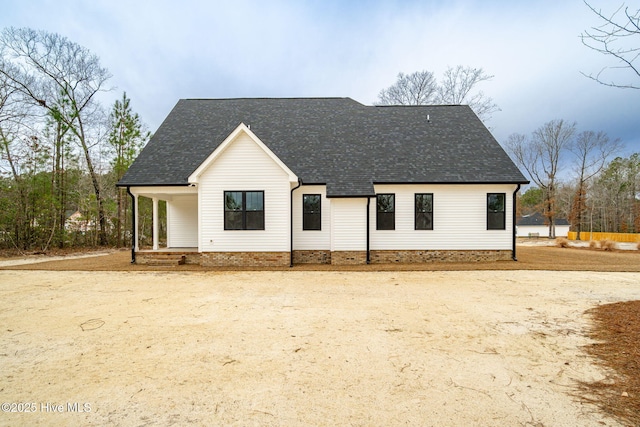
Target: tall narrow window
[
  {"x": 311, "y": 212},
  {"x": 254, "y": 210},
  {"x": 244, "y": 210},
  {"x": 495, "y": 211},
  {"x": 424, "y": 211},
  {"x": 233, "y": 210},
  {"x": 386, "y": 212}
]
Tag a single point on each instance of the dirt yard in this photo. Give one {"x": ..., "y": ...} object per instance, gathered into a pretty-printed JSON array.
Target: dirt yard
[{"x": 498, "y": 348}]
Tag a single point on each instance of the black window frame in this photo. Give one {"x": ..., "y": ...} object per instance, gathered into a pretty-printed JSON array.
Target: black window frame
[
  {"x": 419, "y": 212},
  {"x": 385, "y": 219},
  {"x": 496, "y": 215},
  {"x": 247, "y": 217},
  {"x": 311, "y": 218}
]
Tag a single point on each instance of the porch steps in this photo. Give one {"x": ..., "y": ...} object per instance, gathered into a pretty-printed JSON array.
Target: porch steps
[{"x": 166, "y": 259}]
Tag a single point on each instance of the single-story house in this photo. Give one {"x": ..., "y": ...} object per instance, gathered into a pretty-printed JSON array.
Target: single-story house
[
  {"x": 536, "y": 225},
  {"x": 279, "y": 181}
]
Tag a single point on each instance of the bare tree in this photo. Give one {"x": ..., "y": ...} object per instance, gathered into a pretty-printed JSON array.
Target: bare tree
[
  {"x": 63, "y": 78},
  {"x": 457, "y": 88},
  {"x": 542, "y": 157},
  {"x": 13, "y": 113},
  {"x": 419, "y": 88},
  {"x": 592, "y": 149},
  {"x": 551, "y": 141},
  {"x": 618, "y": 37}
]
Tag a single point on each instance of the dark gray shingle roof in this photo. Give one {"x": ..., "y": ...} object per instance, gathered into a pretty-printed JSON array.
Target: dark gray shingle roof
[
  {"x": 539, "y": 219},
  {"x": 334, "y": 141}
]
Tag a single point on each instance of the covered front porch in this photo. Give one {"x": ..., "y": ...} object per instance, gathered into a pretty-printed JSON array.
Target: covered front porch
[{"x": 181, "y": 219}]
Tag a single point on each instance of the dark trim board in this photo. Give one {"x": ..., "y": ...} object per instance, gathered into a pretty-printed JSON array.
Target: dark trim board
[
  {"x": 154, "y": 185},
  {"x": 513, "y": 224},
  {"x": 454, "y": 183},
  {"x": 360, "y": 196}
]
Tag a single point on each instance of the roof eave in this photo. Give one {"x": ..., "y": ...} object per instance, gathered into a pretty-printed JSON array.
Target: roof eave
[{"x": 147, "y": 184}]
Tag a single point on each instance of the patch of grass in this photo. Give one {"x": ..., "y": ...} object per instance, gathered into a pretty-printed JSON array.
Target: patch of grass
[
  {"x": 562, "y": 243},
  {"x": 594, "y": 245}
]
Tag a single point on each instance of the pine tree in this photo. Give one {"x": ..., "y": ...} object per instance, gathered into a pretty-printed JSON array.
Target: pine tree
[{"x": 127, "y": 137}]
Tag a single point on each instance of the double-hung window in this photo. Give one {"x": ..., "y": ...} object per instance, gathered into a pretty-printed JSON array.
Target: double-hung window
[
  {"x": 386, "y": 212},
  {"x": 311, "y": 212},
  {"x": 244, "y": 210},
  {"x": 495, "y": 211},
  {"x": 424, "y": 211}
]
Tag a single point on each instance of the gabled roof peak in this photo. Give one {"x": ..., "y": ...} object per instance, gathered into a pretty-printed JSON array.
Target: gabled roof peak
[{"x": 241, "y": 129}]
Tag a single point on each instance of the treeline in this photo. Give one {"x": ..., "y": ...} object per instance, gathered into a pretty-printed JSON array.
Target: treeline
[
  {"x": 61, "y": 150},
  {"x": 578, "y": 176}
]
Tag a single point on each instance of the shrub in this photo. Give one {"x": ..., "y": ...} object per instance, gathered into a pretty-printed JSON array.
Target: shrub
[
  {"x": 607, "y": 245},
  {"x": 562, "y": 243},
  {"x": 638, "y": 246},
  {"x": 593, "y": 245}
]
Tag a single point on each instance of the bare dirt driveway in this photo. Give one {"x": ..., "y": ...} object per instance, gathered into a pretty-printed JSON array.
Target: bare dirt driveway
[{"x": 499, "y": 348}]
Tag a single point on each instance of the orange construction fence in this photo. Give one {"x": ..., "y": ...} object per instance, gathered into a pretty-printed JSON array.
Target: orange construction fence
[{"x": 616, "y": 237}]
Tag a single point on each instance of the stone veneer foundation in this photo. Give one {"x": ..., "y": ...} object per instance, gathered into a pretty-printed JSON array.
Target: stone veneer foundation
[
  {"x": 312, "y": 257},
  {"x": 148, "y": 257},
  {"x": 348, "y": 257},
  {"x": 282, "y": 259},
  {"x": 418, "y": 257},
  {"x": 245, "y": 259}
]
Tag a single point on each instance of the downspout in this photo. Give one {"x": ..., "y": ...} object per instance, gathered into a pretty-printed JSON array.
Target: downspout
[
  {"x": 368, "y": 249},
  {"x": 291, "y": 222},
  {"x": 513, "y": 253},
  {"x": 133, "y": 225}
]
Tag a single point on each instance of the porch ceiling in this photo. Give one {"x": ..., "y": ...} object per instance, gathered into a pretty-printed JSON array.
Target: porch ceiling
[{"x": 165, "y": 193}]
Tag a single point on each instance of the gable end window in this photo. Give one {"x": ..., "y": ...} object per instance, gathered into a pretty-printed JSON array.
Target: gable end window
[
  {"x": 386, "y": 212},
  {"x": 424, "y": 211},
  {"x": 495, "y": 211},
  {"x": 244, "y": 210},
  {"x": 311, "y": 212}
]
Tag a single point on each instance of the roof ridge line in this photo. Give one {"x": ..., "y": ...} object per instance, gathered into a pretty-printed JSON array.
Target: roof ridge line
[{"x": 268, "y": 97}]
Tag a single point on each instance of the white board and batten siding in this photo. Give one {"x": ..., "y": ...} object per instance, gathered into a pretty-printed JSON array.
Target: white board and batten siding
[
  {"x": 182, "y": 222},
  {"x": 459, "y": 219},
  {"x": 349, "y": 224},
  {"x": 312, "y": 239},
  {"x": 244, "y": 166}
]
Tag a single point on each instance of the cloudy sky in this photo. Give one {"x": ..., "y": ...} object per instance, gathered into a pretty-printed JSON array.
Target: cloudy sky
[{"x": 159, "y": 51}]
